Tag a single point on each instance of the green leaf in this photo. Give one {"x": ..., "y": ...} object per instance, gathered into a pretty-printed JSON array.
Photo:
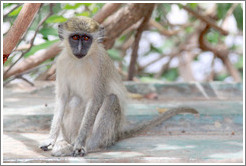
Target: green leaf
[
  {"x": 221, "y": 77},
  {"x": 238, "y": 14},
  {"x": 7, "y": 4},
  {"x": 16, "y": 11},
  {"x": 57, "y": 8},
  {"x": 85, "y": 13},
  {"x": 56, "y": 19},
  {"x": 168, "y": 44},
  {"x": 213, "y": 37},
  {"x": 172, "y": 74},
  {"x": 239, "y": 64},
  {"x": 149, "y": 80},
  {"x": 155, "y": 49},
  {"x": 87, "y": 4},
  {"x": 48, "y": 31},
  {"x": 72, "y": 7},
  {"x": 189, "y": 29},
  {"x": 94, "y": 10},
  {"x": 192, "y": 5},
  {"x": 114, "y": 54},
  {"x": 222, "y": 9},
  {"x": 40, "y": 47}
]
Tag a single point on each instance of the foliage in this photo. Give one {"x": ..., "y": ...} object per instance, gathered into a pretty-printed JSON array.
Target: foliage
[{"x": 158, "y": 46}]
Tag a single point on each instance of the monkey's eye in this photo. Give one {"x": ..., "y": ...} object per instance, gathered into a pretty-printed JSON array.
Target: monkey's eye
[
  {"x": 86, "y": 38},
  {"x": 75, "y": 37}
]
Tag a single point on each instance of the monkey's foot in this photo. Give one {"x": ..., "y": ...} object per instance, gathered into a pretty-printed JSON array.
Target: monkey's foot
[
  {"x": 79, "y": 152},
  {"x": 62, "y": 148},
  {"x": 46, "y": 145}
]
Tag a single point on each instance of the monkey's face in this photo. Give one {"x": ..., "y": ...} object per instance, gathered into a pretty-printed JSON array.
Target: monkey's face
[
  {"x": 80, "y": 44},
  {"x": 80, "y": 32}
]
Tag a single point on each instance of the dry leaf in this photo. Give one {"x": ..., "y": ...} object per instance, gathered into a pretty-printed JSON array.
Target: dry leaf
[
  {"x": 135, "y": 95},
  {"x": 162, "y": 110}
]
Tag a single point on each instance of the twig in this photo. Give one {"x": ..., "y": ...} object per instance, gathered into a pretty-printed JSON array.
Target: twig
[
  {"x": 131, "y": 71},
  {"x": 33, "y": 38},
  {"x": 141, "y": 68},
  {"x": 165, "y": 32},
  {"x": 4, "y": 16},
  {"x": 24, "y": 72},
  {"x": 206, "y": 20},
  {"x": 211, "y": 75},
  {"x": 220, "y": 51},
  {"x": 18, "y": 77}
]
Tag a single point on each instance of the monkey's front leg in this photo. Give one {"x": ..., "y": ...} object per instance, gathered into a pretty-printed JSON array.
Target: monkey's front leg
[
  {"x": 56, "y": 123},
  {"x": 85, "y": 128}
]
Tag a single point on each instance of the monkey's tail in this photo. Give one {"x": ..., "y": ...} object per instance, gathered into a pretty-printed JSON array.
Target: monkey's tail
[{"x": 134, "y": 129}]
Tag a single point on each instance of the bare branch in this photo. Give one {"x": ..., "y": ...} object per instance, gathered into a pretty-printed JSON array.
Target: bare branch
[
  {"x": 34, "y": 60},
  {"x": 165, "y": 32},
  {"x": 134, "y": 55},
  {"x": 205, "y": 19},
  {"x": 220, "y": 51}
]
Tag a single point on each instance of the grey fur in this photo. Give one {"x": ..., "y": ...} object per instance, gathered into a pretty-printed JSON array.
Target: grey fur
[{"x": 90, "y": 98}]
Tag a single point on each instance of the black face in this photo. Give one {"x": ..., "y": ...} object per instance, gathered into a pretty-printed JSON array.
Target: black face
[{"x": 80, "y": 44}]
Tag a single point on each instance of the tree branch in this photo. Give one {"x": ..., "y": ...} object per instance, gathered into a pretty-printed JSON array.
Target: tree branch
[
  {"x": 165, "y": 32},
  {"x": 122, "y": 20},
  {"x": 19, "y": 27},
  {"x": 34, "y": 60},
  {"x": 131, "y": 71},
  {"x": 220, "y": 51},
  {"x": 107, "y": 10},
  {"x": 32, "y": 40},
  {"x": 205, "y": 19}
]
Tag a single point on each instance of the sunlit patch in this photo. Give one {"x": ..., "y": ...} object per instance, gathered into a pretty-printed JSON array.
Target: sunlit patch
[
  {"x": 122, "y": 154},
  {"x": 235, "y": 155},
  {"x": 172, "y": 147}
]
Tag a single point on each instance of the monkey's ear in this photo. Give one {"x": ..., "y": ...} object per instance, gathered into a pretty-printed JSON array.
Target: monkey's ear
[
  {"x": 60, "y": 31},
  {"x": 101, "y": 33}
]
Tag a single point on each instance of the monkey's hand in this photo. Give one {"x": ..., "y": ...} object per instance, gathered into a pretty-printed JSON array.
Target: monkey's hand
[
  {"x": 78, "y": 150},
  {"x": 47, "y": 144}
]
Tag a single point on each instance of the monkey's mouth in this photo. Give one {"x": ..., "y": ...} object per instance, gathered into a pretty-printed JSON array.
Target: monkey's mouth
[{"x": 79, "y": 56}]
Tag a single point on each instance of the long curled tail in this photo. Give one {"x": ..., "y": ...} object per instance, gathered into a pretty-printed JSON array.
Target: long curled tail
[{"x": 133, "y": 129}]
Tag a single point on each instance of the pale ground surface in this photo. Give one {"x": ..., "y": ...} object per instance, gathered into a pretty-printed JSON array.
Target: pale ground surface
[{"x": 215, "y": 136}]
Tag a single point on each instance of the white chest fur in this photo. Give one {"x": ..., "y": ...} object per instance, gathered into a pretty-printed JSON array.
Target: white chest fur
[{"x": 75, "y": 76}]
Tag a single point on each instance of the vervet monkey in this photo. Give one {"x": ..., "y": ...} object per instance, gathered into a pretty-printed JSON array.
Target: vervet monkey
[{"x": 90, "y": 96}]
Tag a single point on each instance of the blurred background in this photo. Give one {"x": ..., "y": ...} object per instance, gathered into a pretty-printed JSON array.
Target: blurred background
[{"x": 179, "y": 42}]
